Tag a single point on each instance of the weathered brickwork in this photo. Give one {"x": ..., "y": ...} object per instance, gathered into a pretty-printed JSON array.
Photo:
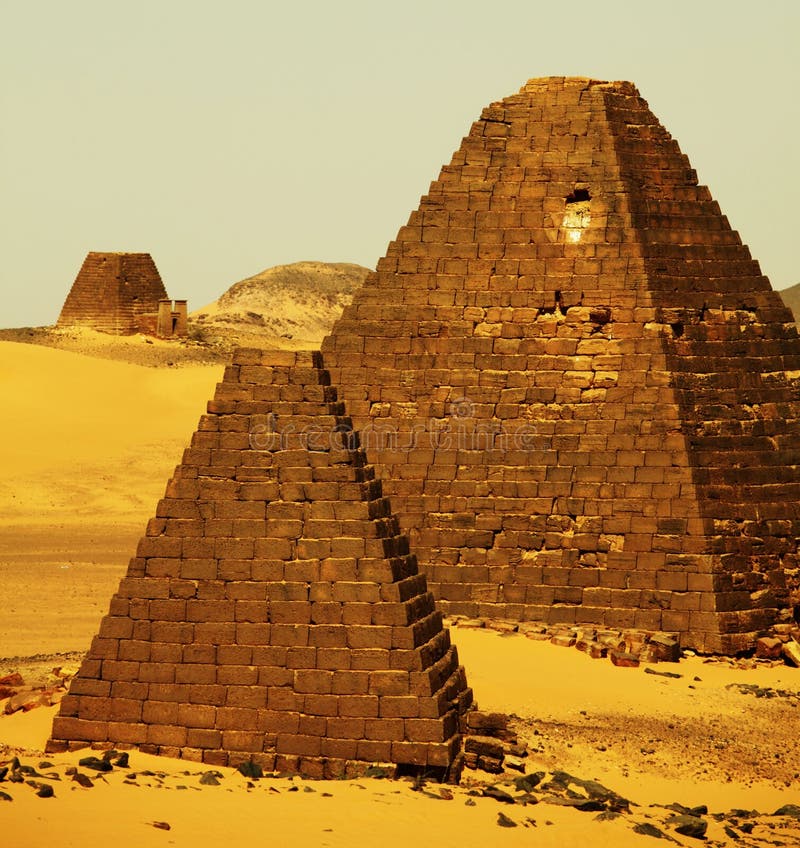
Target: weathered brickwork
[
  {"x": 577, "y": 387},
  {"x": 122, "y": 293},
  {"x": 273, "y": 612}
]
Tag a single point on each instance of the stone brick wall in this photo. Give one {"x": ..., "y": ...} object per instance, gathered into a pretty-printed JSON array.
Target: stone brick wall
[{"x": 581, "y": 418}]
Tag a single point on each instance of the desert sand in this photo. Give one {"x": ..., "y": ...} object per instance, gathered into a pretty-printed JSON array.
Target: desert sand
[{"x": 87, "y": 447}]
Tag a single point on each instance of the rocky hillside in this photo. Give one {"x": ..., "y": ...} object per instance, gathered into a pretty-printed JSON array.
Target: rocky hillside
[
  {"x": 791, "y": 297},
  {"x": 289, "y": 305}
]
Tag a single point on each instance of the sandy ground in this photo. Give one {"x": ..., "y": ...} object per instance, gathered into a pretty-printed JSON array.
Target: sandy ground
[{"x": 88, "y": 446}]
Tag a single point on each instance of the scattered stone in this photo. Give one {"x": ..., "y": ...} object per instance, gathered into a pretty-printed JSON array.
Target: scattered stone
[
  {"x": 498, "y": 794},
  {"x": 528, "y": 782},
  {"x": 470, "y": 802},
  {"x": 120, "y": 759},
  {"x": 792, "y": 810},
  {"x": 503, "y": 626},
  {"x": 597, "y": 651},
  {"x": 688, "y": 825},
  {"x": 514, "y": 763},
  {"x": 671, "y": 674},
  {"x": 701, "y": 810},
  {"x": 210, "y": 778},
  {"x": 768, "y": 648},
  {"x": 476, "y": 623},
  {"x": 251, "y": 770},
  {"x": 623, "y": 659},
  {"x": 484, "y": 746},
  {"x": 729, "y": 831},
  {"x": 504, "y": 821},
  {"x": 585, "y": 805},
  {"x": 13, "y": 679},
  {"x": 378, "y": 772},
  {"x": 161, "y": 825},
  {"x": 490, "y": 724},
  {"x": 82, "y": 780},
  {"x": 95, "y": 764},
  {"x": 4, "y": 796},
  {"x": 791, "y": 653},
  {"x": 647, "y": 829},
  {"x": 43, "y": 790},
  {"x": 665, "y": 648}
]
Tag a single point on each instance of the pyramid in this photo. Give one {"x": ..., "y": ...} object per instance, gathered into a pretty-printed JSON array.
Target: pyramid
[
  {"x": 578, "y": 388},
  {"x": 122, "y": 294},
  {"x": 273, "y": 611}
]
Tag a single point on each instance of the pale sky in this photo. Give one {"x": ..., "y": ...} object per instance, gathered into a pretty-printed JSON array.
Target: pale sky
[{"x": 224, "y": 138}]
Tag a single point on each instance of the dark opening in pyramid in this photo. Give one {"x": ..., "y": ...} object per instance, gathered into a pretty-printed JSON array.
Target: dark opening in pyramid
[
  {"x": 579, "y": 390},
  {"x": 274, "y": 612}
]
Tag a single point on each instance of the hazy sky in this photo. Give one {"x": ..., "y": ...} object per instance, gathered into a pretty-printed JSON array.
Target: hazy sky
[{"x": 223, "y": 138}]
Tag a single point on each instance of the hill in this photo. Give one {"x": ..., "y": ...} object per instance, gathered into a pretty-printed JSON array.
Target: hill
[
  {"x": 288, "y": 305},
  {"x": 791, "y": 297}
]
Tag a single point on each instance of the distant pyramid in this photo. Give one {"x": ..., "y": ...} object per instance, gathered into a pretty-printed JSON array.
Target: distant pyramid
[
  {"x": 274, "y": 611},
  {"x": 122, "y": 294},
  {"x": 577, "y": 387}
]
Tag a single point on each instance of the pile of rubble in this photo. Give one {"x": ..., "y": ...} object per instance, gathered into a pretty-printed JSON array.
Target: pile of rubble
[
  {"x": 16, "y": 694},
  {"x": 630, "y": 647}
]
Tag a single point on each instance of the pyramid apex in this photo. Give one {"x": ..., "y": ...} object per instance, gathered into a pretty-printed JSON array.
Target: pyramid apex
[{"x": 554, "y": 83}]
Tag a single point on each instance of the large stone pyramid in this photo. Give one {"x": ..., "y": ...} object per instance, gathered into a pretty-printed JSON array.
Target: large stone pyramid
[
  {"x": 273, "y": 611},
  {"x": 579, "y": 390}
]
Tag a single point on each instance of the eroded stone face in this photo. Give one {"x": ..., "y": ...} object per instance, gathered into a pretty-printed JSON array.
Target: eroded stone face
[{"x": 578, "y": 388}]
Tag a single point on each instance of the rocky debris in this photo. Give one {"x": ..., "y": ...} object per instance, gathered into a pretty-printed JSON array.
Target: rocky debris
[
  {"x": 780, "y": 644},
  {"x": 688, "y": 825},
  {"x": 791, "y": 653},
  {"x": 161, "y": 825},
  {"x": 251, "y": 770},
  {"x": 529, "y": 782},
  {"x": 43, "y": 790},
  {"x": 18, "y": 695},
  {"x": 764, "y": 691},
  {"x": 498, "y": 795},
  {"x": 671, "y": 674},
  {"x": 792, "y": 810},
  {"x": 768, "y": 648},
  {"x": 647, "y": 829},
  {"x": 504, "y": 821},
  {"x": 665, "y": 648},
  {"x": 484, "y": 752},
  {"x": 624, "y": 659},
  {"x": 488, "y": 741}
]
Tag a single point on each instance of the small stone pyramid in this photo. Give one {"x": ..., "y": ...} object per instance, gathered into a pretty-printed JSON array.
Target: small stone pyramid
[
  {"x": 116, "y": 293},
  {"x": 579, "y": 390},
  {"x": 273, "y": 611}
]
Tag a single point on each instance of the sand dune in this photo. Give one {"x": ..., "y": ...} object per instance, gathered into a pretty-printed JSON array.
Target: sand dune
[{"x": 78, "y": 430}]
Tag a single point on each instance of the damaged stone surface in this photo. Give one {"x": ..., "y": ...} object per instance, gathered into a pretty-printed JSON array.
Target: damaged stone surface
[{"x": 579, "y": 388}]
